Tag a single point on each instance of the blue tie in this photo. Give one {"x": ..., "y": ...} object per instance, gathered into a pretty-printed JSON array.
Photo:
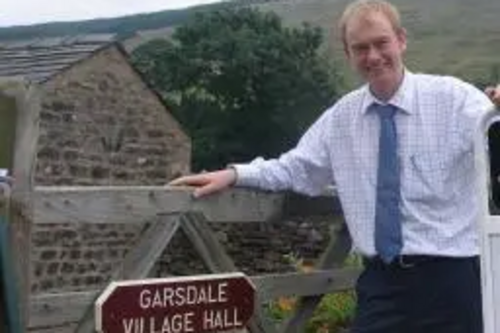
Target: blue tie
[{"x": 388, "y": 239}]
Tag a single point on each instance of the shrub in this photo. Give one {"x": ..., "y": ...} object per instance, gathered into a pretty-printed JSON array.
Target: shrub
[{"x": 334, "y": 313}]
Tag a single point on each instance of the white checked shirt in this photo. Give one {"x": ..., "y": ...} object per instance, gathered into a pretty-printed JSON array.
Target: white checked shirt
[{"x": 435, "y": 121}]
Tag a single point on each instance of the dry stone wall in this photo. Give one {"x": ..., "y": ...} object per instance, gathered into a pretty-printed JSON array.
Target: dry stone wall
[{"x": 100, "y": 125}]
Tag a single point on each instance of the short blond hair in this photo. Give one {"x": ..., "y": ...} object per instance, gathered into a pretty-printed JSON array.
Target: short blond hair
[{"x": 363, "y": 8}]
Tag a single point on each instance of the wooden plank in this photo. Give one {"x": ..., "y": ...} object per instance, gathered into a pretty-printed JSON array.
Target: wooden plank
[
  {"x": 143, "y": 256},
  {"x": 334, "y": 256},
  {"x": 139, "y": 260},
  {"x": 305, "y": 284},
  {"x": 58, "y": 309},
  {"x": 70, "y": 328},
  {"x": 22, "y": 166},
  {"x": 214, "y": 256},
  {"x": 132, "y": 204},
  {"x": 206, "y": 244},
  {"x": 27, "y": 132}
]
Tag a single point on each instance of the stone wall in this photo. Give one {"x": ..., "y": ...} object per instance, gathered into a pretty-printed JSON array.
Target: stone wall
[
  {"x": 100, "y": 125},
  {"x": 256, "y": 248}
]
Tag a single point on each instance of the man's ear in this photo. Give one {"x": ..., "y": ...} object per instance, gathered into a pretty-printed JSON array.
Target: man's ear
[
  {"x": 346, "y": 50},
  {"x": 402, "y": 37}
]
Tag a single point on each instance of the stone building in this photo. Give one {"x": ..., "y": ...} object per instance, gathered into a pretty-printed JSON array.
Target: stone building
[{"x": 100, "y": 124}]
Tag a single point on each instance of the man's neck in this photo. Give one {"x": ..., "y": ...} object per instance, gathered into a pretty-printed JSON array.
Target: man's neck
[{"x": 387, "y": 94}]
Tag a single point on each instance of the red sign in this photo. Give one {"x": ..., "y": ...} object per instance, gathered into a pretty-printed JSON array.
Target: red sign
[{"x": 205, "y": 303}]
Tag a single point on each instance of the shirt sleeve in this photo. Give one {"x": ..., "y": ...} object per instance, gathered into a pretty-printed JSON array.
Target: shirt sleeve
[
  {"x": 472, "y": 104},
  {"x": 305, "y": 169}
]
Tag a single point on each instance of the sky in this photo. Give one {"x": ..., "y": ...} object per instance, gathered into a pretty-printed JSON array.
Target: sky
[{"x": 25, "y": 12}]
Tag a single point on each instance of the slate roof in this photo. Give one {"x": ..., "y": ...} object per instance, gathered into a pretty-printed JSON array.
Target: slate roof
[{"x": 39, "y": 59}]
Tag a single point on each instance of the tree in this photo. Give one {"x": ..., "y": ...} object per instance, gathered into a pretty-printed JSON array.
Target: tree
[{"x": 241, "y": 83}]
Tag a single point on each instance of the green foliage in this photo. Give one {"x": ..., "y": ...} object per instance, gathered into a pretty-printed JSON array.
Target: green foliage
[
  {"x": 335, "y": 312},
  {"x": 240, "y": 83}
]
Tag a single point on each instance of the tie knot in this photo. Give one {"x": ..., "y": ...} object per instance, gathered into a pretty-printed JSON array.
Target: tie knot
[{"x": 385, "y": 110}]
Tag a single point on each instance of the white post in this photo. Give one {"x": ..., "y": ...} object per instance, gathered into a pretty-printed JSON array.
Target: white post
[{"x": 489, "y": 227}]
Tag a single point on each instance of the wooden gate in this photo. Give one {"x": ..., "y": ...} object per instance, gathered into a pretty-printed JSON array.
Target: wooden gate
[
  {"x": 171, "y": 210},
  {"x": 175, "y": 210}
]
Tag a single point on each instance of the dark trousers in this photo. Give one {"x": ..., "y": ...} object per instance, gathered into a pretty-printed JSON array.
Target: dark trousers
[{"x": 432, "y": 295}]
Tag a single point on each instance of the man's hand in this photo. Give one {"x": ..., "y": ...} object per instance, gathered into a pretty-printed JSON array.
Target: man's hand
[
  {"x": 207, "y": 183},
  {"x": 494, "y": 94}
]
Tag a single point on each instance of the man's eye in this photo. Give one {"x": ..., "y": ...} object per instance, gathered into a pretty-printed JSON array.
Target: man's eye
[
  {"x": 382, "y": 43},
  {"x": 360, "y": 49}
]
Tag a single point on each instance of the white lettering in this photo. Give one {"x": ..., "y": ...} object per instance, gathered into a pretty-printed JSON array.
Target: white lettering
[
  {"x": 152, "y": 325},
  {"x": 218, "y": 320},
  {"x": 133, "y": 325},
  {"x": 191, "y": 295},
  {"x": 178, "y": 323},
  {"x": 157, "y": 301},
  {"x": 204, "y": 294},
  {"x": 188, "y": 322},
  {"x": 221, "y": 295},
  {"x": 127, "y": 325},
  {"x": 221, "y": 319},
  {"x": 208, "y": 320},
  {"x": 231, "y": 318},
  {"x": 180, "y": 295},
  {"x": 145, "y": 299},
  {"x": 212, "y": 319},
  {"x": 168, "y": 295}
]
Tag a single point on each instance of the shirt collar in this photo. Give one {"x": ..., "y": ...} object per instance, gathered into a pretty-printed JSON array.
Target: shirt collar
[{"x": 402, "y": 99}]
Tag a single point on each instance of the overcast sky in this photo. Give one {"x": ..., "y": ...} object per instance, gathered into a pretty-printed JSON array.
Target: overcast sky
[{"x": 23, "y": 12}]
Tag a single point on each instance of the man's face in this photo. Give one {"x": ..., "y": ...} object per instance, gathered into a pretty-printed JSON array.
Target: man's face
[{"x": 376, "y": 51}]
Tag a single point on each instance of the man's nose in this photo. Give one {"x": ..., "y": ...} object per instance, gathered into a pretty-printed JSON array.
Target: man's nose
[{"x": 373, "y": 54}]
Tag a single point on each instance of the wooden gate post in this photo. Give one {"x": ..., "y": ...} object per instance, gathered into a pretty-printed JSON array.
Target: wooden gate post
[{"x": 19, "y": 116}]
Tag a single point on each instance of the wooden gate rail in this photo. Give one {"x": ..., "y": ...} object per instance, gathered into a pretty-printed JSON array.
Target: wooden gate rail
[{"x": 173, "y": 209}]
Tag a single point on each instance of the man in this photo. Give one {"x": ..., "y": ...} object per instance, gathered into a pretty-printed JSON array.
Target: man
[{"x": 400, "y": 152}]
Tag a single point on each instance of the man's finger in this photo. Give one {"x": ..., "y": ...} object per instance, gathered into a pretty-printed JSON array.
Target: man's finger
[
  {"x": 189, "y": 180},
  {"x": 205, "y": 190},
  {"x": 489, "y": 91},
  {"x": 495, "y": 95}
]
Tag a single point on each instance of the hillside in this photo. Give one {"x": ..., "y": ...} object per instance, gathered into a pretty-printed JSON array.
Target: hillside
[
  {"x": 122, "y": 26},
  {"x": 457, "y": 37}
]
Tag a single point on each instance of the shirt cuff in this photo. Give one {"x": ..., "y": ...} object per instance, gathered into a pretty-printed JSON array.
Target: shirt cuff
[{"x": 246, "y": 175}]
